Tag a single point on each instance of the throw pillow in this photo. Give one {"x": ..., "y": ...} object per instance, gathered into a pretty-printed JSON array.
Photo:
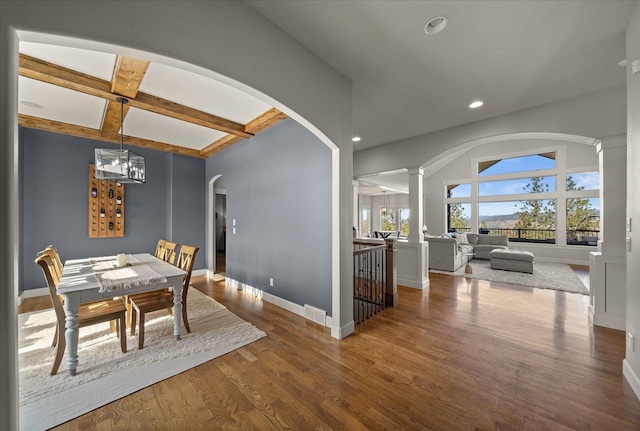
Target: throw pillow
[{"x": 462, "y": 238}]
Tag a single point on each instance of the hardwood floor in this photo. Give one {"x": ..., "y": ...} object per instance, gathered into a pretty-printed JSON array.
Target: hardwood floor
[
  {"x": 462, "y": 355},
  {"x": 221, "y": 262}
]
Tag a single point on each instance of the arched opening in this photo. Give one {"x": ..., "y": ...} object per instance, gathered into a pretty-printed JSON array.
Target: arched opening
[
  {"x": 438, "y": 161},
  {"x": 306, "y": 106}
]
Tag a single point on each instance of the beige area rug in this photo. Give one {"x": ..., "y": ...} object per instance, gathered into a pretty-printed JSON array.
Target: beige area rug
[
  {"x": 104, "y": 373},
  {"x": 546, "y": 275}
]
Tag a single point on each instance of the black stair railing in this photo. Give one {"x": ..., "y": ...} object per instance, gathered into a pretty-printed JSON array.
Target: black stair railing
[{"x": 374, "y": 278}]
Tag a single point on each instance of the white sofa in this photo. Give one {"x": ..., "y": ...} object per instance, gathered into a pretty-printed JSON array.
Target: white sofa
[
  {"x": 483, "y": 244},
  {"x": 449, "y": 254}
]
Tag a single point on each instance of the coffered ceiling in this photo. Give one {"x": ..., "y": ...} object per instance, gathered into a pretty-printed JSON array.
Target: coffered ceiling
[{"x": 74, "y": 91}]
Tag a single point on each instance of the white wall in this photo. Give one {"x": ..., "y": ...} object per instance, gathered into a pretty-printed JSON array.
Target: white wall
[
  {"x": 225, "y": 40},
  {"x": 571, "y": 156},
  {"x": 632, "y": 360}
]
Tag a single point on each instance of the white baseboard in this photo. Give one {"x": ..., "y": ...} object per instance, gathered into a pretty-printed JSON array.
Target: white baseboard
[
  {"x": 198, "y": 272},
  {"x": 412, "y": 283},
  {"x": 284, "y": 303},
  {"x": 33, "y": 293},
  {"x": 344, "y": 331},
  {"x": 610, "y": 320},
  {"x": 631, "y": 377}
]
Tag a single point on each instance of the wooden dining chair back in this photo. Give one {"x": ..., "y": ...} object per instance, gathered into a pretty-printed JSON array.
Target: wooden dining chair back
[
  {"x": 158, "y": 300},
  {"x": 160, "y": 249},
  {"x": 52, "y": 252},
  {"x": 170, "y": 250},
  {"x": 89, "y": 314}
]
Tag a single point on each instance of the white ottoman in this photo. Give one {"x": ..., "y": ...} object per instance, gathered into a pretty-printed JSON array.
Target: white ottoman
[{"x": 512, "y": 260}]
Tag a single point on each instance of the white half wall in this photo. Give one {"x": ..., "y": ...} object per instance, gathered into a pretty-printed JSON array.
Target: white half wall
[{"x": 413, "y": 264}]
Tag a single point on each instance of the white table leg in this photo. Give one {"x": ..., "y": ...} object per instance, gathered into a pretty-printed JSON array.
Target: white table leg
[
  {"x": 71, "y": 309},
  {"x": 177, "y": 308}
]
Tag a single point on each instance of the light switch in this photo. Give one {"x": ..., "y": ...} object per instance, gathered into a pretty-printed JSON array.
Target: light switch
[
  {"x": 234, "y": 222},
  {"x": 628, "y": 244},
  {"x": 628, "y": 224},
  {"x": 234, "y": 230}
]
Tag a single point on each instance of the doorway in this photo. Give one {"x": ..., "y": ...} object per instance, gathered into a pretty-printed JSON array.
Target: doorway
[
  {"x": 217, "y": 227},
  {"x": 220, "y": 230}
]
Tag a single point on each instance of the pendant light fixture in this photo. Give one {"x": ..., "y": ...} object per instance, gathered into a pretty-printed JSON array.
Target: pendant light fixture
[{"x": 122, "y": 166}]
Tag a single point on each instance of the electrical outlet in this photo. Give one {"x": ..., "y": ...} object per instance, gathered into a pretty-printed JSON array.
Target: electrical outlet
[
  {"x": 628, "y": 224},
  {"x": 630, "y": 343},
  {"x": 234, "y": 222},
  {"x": 271, "y": 282},
  {"x": 628, "y": 244},
  {"x": 234, "y": 230}
]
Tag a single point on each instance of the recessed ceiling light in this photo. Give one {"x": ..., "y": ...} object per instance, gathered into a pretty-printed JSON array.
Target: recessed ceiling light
[
  {"x": 436, "y": 25},
  {"x": 356, "y": 139},
  {"x": 31, "y": 104},
  {"x": 476, "y": 104}
]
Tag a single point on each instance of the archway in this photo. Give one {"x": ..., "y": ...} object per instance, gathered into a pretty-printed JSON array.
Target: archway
[
  {"x": 438, "y": 161},
  {"x": 216, "y": 225},
  {"x": 324, "y": 108}
]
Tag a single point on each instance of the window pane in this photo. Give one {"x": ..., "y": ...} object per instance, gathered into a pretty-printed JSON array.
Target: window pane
[
  {"x": 404, "y": 221},
  {"x": 528, "y": 220},
  {"x": 517, "y": 164},
  {"x": 365, "y": 221},
  {"x": 517, "y": 186},
  {"x": 459, "y": 190},
  {"x": 388, "y": 220},
  {"x": 459, "y": 217},
  {"x": 583, "y": 181},
  {"x": 583, "y": 221}
]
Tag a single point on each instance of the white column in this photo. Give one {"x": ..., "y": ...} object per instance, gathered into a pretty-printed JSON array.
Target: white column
[
  {"x": 612, "y": 152},
  {"x": 607, "y": 266},
  {"x": 413, "y": 255},
  {"x": 416, "y": 211},
  {"x": 356, "y": 208}
]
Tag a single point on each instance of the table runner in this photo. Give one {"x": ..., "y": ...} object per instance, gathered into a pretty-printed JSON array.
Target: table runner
[{"x": 111, "y": 277}]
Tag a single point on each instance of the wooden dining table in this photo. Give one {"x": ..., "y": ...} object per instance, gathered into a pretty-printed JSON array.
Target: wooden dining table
[{"x": 79, "y": 284}]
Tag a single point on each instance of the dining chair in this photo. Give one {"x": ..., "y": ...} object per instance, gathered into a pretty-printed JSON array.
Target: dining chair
[
  {"x": 160, "y": 249},
  {"x": 89, "y": 313},
  {"x": 158, "y": 300},
  {"x": 166, "y": 251},
  {"x": 55, "y": 257},
  {"x": 170, "y": 250},
  {"x": 52, "y": 252}
]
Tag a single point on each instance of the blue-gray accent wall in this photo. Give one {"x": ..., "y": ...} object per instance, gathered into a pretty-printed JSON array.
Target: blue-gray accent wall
[
  {"x": 279, "y": 192},
  {"x": 53, "y": 187}
]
